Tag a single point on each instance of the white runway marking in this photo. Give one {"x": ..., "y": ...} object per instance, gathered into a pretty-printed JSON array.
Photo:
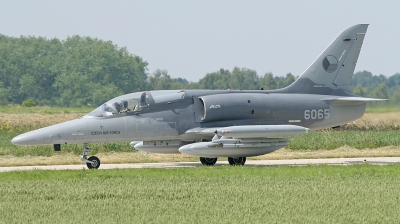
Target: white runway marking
[{"x": 291, "y": 162}]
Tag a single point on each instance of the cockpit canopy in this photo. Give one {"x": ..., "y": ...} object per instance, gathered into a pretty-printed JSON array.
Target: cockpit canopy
[
  {"x": 139, "y": 102},
  {"x": 119, "y": 106}
]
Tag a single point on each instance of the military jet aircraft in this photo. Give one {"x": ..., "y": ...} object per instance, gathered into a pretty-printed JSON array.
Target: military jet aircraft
[{"x": 222, "y": 123}]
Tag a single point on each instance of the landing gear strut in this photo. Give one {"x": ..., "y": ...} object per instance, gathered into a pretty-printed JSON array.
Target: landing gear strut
[
  {"x": 93, "y": 162},
  {"x": 208, "y": 161},
  {"x": 237, "y": 161}
]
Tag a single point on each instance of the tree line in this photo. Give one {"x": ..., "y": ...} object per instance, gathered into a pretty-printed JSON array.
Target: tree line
[
  {"x": 85, "y": 71},
  {"x": 79, "y": 71}
]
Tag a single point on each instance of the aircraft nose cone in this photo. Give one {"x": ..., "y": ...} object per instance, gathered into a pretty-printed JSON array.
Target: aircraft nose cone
[
  {"x": 30, "y": 138},
  {"x": 18, "y": 140},
  {"x": 22, "y": 140},
  {"x": 15, "y": 140}
]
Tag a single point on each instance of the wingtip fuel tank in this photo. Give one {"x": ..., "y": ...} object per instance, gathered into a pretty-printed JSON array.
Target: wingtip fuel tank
[{"x": 234, "y": 147}]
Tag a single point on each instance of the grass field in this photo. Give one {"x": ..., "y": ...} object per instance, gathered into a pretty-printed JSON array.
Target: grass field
[
  {"x": 382, "y": 109},
  {"x": 318, "y": 140},
  {"x": 321, "y": 144},
  {"x": 308, "y": 194},
  {"x": 16, "y": 109},
  {"x": 224, "y": 194},
  {"x": 372, "y": 135}
]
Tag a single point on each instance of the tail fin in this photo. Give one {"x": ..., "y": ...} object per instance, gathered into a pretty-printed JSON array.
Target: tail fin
[{"x": 334, "y": 68}]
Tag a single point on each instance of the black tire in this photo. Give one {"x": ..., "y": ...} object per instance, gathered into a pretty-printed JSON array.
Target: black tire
[
  {"x": 237, "y": 161},
  {"x": 96, "y": 163},
  {"x": 208, "y": 161}
]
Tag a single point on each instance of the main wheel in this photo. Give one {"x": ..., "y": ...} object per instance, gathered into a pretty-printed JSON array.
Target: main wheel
[
  {"x": 208, "y": 161},
  {"x": 95, "y": 164},
  {"x": 237, "y": 161}
]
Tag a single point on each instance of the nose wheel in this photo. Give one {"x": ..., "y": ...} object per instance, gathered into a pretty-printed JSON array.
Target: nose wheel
[{"x": 92, "y": 162}]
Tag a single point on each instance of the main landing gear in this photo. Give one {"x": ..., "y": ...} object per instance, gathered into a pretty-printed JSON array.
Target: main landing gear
[
  {"x": 234, "y": 161},
  {"x": 92, "y": 162},
  {"x": 237, "y": 161},
  {"x": 208, "y": 161}
]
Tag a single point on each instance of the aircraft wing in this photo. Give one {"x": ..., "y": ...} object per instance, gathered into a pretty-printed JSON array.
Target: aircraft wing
[{"x": 250, "y": 131}]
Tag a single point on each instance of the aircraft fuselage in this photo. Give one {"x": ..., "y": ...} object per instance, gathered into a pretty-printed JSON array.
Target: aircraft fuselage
[{"x": 173, "y": 120}]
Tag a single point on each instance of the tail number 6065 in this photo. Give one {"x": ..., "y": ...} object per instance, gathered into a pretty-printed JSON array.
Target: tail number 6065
[{"x": 316, "y": 114}]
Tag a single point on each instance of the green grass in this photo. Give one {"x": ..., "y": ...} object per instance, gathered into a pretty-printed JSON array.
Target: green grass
[
  {"x": 223, "y": 194},
  {"x": 382, "y": 109},
  {"x": 332, "y": 139},
  {"x": 311, "y": 141},
  {"x": 12, "y": 109}
]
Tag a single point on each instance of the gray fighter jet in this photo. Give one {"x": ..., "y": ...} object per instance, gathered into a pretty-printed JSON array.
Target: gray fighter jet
[{"x": 222, "y": 123}]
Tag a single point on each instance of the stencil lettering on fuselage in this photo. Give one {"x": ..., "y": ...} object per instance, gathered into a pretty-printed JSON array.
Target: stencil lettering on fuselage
[
  {"x": 105, "y": 132},
  {"x": 217, "y": 106}
]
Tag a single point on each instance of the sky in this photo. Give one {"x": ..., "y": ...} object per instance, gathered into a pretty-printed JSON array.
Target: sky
[{"x": 192, "y": 38}]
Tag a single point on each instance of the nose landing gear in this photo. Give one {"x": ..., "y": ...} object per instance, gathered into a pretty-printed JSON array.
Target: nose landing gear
[{"x": 92, "y": 162}]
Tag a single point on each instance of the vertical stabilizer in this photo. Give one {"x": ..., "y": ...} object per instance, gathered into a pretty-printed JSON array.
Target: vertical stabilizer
[{"x": 334, "y": 68}]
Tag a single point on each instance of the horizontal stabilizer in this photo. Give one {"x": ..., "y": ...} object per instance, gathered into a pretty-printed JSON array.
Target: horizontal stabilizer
[{"x": 352, "y": 100}]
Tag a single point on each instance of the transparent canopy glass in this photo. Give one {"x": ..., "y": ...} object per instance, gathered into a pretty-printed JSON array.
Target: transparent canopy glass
[{"x": 136, "y": 102}]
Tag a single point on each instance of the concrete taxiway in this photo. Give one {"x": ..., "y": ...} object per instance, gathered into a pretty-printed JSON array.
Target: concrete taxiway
[{"x": 291, "y": 162}]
